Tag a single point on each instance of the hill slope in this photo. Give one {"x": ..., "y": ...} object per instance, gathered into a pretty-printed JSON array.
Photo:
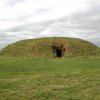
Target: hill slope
[{"x": 50, "y": 47}]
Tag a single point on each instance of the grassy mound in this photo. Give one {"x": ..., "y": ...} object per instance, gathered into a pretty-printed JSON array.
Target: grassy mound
[{"x": 50, "y": 47}]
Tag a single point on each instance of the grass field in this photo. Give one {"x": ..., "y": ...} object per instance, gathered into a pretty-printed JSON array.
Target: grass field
[{"x": 50, "y": 79}]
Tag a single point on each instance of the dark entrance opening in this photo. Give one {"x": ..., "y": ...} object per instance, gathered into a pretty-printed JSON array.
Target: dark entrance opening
[
  {"x": 58, "y": 52},
  {"x": 58, "y": 49}
]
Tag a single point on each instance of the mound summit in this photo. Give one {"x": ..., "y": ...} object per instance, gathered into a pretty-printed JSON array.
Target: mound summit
[{"x": 50, "y": 47}]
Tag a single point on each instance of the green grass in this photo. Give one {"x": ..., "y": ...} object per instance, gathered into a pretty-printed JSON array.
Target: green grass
[{"x": 50, "y": 79}]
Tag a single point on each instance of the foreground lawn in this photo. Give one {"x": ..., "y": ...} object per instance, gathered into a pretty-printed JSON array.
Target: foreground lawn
[{"x": 50, "y": 79}]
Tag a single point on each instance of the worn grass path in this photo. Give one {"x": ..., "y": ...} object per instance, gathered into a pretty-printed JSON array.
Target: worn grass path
[{"x": 50, "y": 79}]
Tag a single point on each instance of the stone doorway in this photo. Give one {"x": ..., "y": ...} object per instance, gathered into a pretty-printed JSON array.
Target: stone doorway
[{"x": 58, "y": 49}]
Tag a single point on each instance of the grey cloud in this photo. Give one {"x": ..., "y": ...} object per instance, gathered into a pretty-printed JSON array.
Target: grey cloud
[
  {"x": 37, "y": 12},
  {"x": 31, "y": 27},
  {"x": 5, "y": 39},
  {"x": 42, "y": 11},
  {"x": 13, "y": 2}
]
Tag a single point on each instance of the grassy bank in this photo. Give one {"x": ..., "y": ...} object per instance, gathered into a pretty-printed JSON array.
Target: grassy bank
[{"x": 47, "y": 48}]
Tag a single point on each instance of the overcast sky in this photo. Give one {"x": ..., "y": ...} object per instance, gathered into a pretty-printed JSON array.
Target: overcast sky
[{"x": 24, "y": 19}]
